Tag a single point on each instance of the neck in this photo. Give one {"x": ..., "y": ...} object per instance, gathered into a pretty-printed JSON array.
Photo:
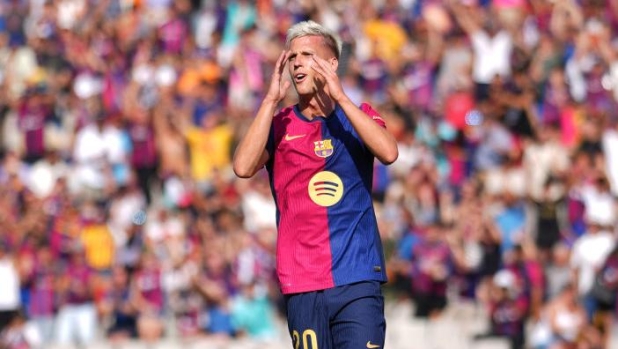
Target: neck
[{"x": 318, "y": 105}]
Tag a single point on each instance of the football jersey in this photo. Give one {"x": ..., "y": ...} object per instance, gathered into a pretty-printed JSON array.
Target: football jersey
[{"x": 321, "y": 179}]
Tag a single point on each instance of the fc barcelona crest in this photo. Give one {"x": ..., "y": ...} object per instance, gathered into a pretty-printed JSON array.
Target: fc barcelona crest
[{"x": 323, "y": 148}]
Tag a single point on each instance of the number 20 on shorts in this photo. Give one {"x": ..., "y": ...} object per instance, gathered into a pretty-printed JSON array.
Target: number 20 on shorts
[{"x": 309, "y": 338}]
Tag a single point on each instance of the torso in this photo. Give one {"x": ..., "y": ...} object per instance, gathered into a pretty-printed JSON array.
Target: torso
[{"x": 321, "y": 175}]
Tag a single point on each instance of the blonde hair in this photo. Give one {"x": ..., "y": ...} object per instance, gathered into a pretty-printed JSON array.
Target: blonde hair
[{"x": 311, "y": 28}]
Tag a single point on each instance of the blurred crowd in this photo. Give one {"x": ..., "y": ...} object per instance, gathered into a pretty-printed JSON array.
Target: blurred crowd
[{"x": 120, "y": 215}]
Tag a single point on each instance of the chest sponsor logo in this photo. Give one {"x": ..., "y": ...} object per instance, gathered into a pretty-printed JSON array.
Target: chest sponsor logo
[
  {"x": 323, "y": 148},
  {"x": 325, "y": 188}
]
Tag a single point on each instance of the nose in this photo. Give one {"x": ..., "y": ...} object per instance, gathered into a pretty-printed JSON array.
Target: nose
[{"x": 298, "y": 60}]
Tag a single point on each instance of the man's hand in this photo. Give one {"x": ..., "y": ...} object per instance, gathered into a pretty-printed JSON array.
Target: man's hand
[
  {"x": 278, "y": 88},
  {"x": 329, "y": 72}
]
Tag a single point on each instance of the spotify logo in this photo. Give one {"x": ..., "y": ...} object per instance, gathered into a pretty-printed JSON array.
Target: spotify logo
[{"x": 325, "y": 188}]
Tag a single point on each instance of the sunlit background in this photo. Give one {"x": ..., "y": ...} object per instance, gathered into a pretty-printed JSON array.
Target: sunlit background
[{"x": 123, "y": 226}]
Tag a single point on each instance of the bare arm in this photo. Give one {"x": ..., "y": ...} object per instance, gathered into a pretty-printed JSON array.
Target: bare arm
[
  {"x": 435, "y": 46},
  {"x": 458, "y": 254},
  {"x": 210, "y": 290},
  {"x": 464, "y": 17},
  {"x": 604, "y": 45},
  {"x": 493, "y": 231},
  {"x": 379, "y": 141},
  {"x": 566, "y": 14},
  {"x": 251, "y": 152}
]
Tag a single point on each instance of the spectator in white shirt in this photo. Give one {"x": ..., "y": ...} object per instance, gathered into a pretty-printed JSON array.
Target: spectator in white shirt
[
  {"x": 98, "y": 146},
  {"x": 9, "y": 292},
  {"x": 589, "y": 252}
]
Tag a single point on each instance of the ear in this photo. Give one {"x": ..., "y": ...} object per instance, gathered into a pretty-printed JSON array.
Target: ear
[{"x": 334, "y": 63}]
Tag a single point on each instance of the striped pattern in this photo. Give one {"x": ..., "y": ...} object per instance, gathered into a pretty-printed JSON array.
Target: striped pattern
[{"x": 323, "y": 241}]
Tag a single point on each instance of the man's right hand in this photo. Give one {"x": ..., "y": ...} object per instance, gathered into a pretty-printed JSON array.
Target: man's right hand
[{"x": 278, "y": 88}]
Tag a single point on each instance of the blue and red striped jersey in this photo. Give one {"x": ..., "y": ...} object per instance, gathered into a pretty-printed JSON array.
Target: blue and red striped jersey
[{"x": 321, "y": 179}]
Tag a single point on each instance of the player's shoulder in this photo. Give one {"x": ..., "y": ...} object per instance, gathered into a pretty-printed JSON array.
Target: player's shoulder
[{"x": 284, "y": 113}]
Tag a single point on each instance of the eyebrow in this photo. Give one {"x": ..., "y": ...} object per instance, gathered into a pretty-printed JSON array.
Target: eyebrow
[{"x": 302, "y": 52}]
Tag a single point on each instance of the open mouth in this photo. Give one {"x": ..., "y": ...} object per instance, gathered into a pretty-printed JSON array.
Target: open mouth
[{"x": 298, "y": 78}]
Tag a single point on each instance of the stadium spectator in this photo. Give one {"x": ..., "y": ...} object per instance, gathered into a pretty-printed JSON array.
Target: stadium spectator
[
  {"x": 118, "y": 307},
  {"x": 507, "y": 309},
  {"x": 563, "y": 320},
  {"x": 77, "y": 321},
  {"x": 10, "y": 301}
]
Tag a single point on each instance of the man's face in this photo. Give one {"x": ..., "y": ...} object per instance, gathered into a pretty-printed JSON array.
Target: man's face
[{"x": 300, "y": 62}]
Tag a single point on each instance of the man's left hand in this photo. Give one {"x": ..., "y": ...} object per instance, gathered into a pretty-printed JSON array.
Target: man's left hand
[{"x": 328, "y": 70}]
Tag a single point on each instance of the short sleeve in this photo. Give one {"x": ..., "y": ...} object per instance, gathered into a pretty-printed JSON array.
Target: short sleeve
[{"x": 367, "y": 109}]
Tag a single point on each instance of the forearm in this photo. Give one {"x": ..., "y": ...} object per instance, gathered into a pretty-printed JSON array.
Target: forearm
[
  {"x": 250, "y": 155},
  {"x": 536, "y": 302},
  {"x": 376, "y": 138},
  {"x": 464, "y": 18}
]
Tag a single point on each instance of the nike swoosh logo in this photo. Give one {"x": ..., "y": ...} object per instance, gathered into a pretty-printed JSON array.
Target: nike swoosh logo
[
  {"x": 372, "y": 346},
  {"x": 291, "y": 138}
]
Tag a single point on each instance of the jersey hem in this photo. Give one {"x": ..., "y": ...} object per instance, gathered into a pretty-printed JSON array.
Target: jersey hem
[{"x": 321, "y": 287}]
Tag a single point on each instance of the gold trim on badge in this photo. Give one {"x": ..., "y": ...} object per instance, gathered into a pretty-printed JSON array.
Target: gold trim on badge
[
  {"x": 323, "y": 148},
  {"x": 325, "y": 188}
]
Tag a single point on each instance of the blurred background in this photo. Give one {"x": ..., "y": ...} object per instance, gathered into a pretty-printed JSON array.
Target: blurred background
[{"x": 123, "y": 226}]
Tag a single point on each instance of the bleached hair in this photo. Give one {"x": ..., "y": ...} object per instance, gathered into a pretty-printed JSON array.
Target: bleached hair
[{"x": 311, "y": 28}]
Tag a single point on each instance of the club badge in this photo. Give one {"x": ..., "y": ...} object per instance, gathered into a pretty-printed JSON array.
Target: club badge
[{"x": 323, "y": 148}]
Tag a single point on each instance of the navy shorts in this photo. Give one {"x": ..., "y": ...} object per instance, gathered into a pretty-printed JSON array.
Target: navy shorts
[{"x": 343, "y": 317}]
